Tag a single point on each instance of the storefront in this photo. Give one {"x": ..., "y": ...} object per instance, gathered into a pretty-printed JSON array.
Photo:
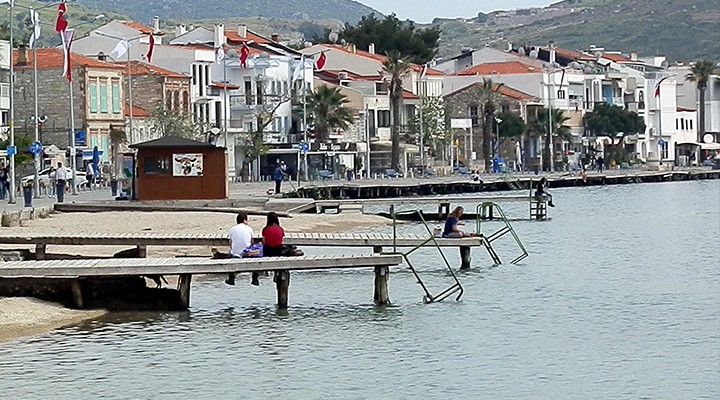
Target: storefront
[
  {"x": 335, "y": 159},
  {"x": 174, "y": 168}
]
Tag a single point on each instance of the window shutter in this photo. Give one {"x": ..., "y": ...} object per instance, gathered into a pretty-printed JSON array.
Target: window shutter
[{"x": 93, "y": 98}]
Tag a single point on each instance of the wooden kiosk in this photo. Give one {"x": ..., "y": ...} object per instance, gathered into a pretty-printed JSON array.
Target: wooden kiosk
[{"x": 175, "y": 168}]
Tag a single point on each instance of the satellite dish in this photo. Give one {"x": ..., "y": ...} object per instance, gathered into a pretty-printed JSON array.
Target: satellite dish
[
  {"x": 521, "y": 51},
  {"x": 214, "y": 130},
  {"x": 588, "y": 70},
  {"x": 708, "y": 138},
  {"x": 232, "y": 53},
  {"x": 333, "y": 36},
  {"x": 664, "y": 64},
  {"x": 308, "y": 44},
  {"x": 533, "y": 54},
  {"x": 555, "y": 65},
  {"x": 343, "y": 42}
]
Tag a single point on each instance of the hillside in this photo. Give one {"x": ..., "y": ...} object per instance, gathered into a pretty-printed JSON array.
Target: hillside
[
  {"x": 142, "y": 10},
  {"x": 681, "y": 30}
]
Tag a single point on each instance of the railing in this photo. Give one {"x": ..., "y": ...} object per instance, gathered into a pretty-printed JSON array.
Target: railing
[{"x": 485, "y": 211}]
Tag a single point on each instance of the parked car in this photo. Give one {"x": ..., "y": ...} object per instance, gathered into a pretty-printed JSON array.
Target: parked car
[
  {"x": 710, "y": 162},
  {"x": 44, "y": 177}
]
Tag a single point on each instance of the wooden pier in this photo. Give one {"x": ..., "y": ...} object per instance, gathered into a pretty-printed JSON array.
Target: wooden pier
[{"x": 185, "y": 268}]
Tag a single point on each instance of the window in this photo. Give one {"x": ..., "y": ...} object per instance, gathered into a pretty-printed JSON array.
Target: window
[
  {"x": 474, "y": 116},
  {"x": 176, "y": 100},
  {"x": 156, "y": 165},
  {"x": 383, "y": 117},
  {"x": 93, "y": 98},
  {"x": 664, "y": 150},
  {"x": 116, "y": 97},
  {"x": 691, "y": 123},
  {"x": 186, "y": 101},
  {"x": 561, "y": 94},
  {"x": 168, "y": 101},
  {"x": 194, "y": 75},
  {"x": 641, "y": 100},
  {"x": 682, "y": 124},
  {"x": 103, "y": 97},
  {"x": 381, "y": 88},
  {"x": 677, "y": 124}
]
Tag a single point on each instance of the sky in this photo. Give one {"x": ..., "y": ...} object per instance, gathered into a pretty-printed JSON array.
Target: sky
[{"x": 424, "y": 11}]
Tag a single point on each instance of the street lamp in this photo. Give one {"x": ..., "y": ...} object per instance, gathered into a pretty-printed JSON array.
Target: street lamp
[{"x": 496, "y": 151}]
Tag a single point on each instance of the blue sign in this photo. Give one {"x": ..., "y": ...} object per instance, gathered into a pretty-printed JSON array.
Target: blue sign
[
  {"x": 11, "y": 150},
  {"x": 36, "y": 147},
  {"x": 304, "y": 147},
  {"x": 80, "y": 138},
  {"x": 661, "y": 143}
]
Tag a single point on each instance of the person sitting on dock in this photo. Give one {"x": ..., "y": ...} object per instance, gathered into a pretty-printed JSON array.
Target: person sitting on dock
[
  {"x": 273, "y": 236},
  {"x": 241, "y": 236},
  {"x": 542, "y": 193},
  {"x": 451, "y": 224}
]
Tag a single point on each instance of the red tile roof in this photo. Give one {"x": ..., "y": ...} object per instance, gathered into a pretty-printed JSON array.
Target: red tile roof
[
  {"x": 223, "y": 85},
  {"x": 144, "y": 29},
  {"x": 49, "y": 58},
  {"x": 618, "y": 58},
  {"x": 141, "y": 68},
  {"x": 408, "y": 95},
  {"x": 382, "y": 58},
  {"x": 504, "y": 90},
  {"x": 234, "y": 36},
  {"x": 136, "y": 111},
  {"x": 500, "y": 68}
]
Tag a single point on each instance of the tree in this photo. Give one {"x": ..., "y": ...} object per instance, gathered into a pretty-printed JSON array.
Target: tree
[
  {"x": 395, "y": 68},
  {"x": 435, "y": 126},
  {"x": 489, "y": 98},
  {"x": 327, "y": 111},
  {"x": 700, "y": 73},
  {"x": 615, "y": 122},
  {"x": 541, "y": 126},
  {"x": 174, "y": 122},
  {"x": 511, "y": 125},
  {"x": 392, "y": 35}
]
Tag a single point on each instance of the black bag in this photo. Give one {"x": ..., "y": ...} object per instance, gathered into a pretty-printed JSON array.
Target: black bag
[{"x": 289, "y": 250}]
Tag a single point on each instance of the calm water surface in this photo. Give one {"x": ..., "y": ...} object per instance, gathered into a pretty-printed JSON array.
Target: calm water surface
[{"x": 619, "y": 299}]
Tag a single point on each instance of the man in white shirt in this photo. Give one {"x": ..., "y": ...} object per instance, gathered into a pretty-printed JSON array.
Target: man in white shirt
[
  {"x": 241, "y": 237},
  {"x": 61, "y": 177}
]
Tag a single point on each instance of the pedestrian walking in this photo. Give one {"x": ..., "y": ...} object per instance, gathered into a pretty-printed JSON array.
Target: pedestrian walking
[
  {"x": 4, "y": 184},
  {"x": 90, "y": 174},
  {"x": 61, "y": 177}
]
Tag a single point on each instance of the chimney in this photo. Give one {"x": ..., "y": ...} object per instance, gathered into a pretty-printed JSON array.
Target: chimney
[
  {"x": 352, "y": 48},
  {"x": 218, "y": 35},
  {"x": 22, "y": 55},
  {"x": 371, "y": 48},
  {"x": 551, "y": 48},
  {"x": 510, "y": 48},
  {"x": 242, "y": 31},
  {"x": 102, "y": 56},
  {"x": 191, "y": 27},
  {"x": 633, "y": 56},
  {"x": 275, "y": 38},
  {"x": 156, "y": 24},
  {"x": 180, "y": 30}
]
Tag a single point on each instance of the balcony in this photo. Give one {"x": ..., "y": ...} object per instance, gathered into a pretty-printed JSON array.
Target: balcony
[{"x": 245, "y": 102}]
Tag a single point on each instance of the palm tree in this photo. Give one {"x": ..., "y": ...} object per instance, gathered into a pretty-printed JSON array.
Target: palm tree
[
  {"x": 395, "y": 68},
  {"x": 489, "y": 97},
  {"x": 326, "y": 106},
  {"x": 541, "y": 127},
  {"x": 700, "y": 73}
]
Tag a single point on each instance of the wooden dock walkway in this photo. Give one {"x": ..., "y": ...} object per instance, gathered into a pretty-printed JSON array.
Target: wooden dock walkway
[{"x": 185, "y": 268}]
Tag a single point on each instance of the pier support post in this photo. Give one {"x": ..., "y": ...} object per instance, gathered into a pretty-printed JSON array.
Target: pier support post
[
  {"x": 141, "y": 251},
  {"x": 282, "y": 283},
  {"x": 77, "y": 293},
  {"x": 465, "y": 257},
  {"x": 184, "y": 288},
  {"x": 382, "y": 297},
  {"x": 40, "y": 250}
]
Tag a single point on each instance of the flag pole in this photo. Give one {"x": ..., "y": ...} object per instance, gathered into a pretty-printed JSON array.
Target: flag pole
[
  {"x": 36, "y": 179},
  {"x": 305, "y": 134},
  {"x": 11, "y": 197}
]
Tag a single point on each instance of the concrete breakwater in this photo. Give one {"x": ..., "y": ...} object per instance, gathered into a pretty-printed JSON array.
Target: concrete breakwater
[{"x": 389, "y": 188}]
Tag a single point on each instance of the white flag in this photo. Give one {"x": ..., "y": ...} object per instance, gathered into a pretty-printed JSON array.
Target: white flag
[
  {"x": 298, "y": 71},
  {"x": 120, "y": 49},
  {"x": 67, "y": 38},
  {"x": 219, "y": 55},
  {"x": 35, "y": 19}
]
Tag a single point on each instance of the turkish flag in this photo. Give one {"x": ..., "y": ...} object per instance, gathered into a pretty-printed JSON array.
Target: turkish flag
[
  {"x": 321, "y": 61},
  {"x": 61, "y": 24},
  {"x": 244, "y": 53},
  {"x": 151, "y": 48}
]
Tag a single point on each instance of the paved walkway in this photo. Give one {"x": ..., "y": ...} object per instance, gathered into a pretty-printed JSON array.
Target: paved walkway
[{"x": 44, "y": 201}]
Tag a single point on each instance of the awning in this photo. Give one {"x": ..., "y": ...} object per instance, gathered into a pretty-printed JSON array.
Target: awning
[
  {"x": 688, "y": 144},
  {"x": 710, "y": 146}
]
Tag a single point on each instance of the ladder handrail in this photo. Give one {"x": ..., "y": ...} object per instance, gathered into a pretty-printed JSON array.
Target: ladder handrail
[{"x": 507, "y": 228}]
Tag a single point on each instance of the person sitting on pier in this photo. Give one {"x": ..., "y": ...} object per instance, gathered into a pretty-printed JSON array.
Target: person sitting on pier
[
  {"x": 451, "y": 224},
  {"x": 273, "y": 236},
  {"x": 542, "y": 193},
  {"x": 241, "y": 236}
]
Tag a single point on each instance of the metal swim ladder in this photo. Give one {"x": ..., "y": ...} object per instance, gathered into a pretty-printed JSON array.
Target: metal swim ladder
[
  {"x": 428, "y": 297},
  {"x": 485, "y": 211}
]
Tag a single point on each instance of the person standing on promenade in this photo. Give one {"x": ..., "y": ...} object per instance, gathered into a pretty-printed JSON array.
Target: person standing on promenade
[
  {"x": 278, "y": 177},
  {"x": 3, "y": 181},
  {"x": 90, "y": 174},
  {"x": 61, "y": 177}
]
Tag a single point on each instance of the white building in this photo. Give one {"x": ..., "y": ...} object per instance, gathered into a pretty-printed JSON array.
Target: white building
[{"x": 4, "y": 87}]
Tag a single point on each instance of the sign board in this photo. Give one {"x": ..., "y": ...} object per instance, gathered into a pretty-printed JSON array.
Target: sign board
[
  {"x": 36, "y": 147},
  {"x": 187, "y": 164},
  {"x": 11, "y": 150},
  {"x": 304, "y": 148},
  {"x": 661, "y": 143},
  {"x": 461, "y": 123},
  {"x": 80, "y": 138}
]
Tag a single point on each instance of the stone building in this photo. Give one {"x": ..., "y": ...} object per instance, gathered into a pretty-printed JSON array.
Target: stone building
[
  {"x": 97, "y": 97},
  {"x": 154, "y": 88},
  {"x": 466, "y": 103}
]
